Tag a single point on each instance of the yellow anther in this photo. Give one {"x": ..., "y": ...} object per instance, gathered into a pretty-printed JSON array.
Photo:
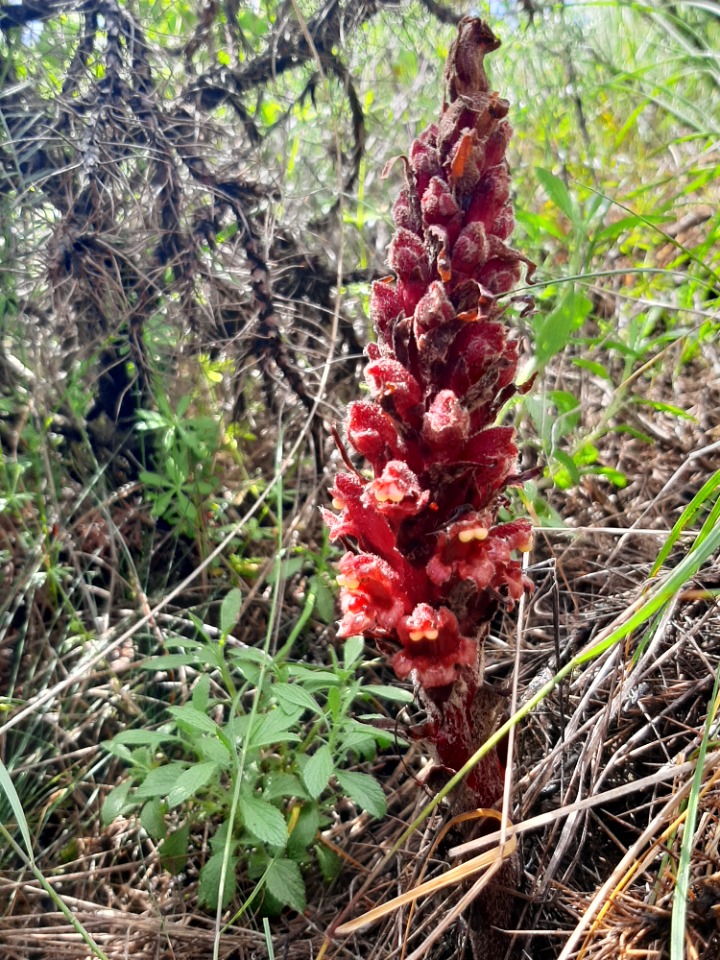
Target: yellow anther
[
  {"x": 472, "y": 533},
  {"x": 416, "y": 635},
  {"x": 395, "y": 497},
  {"x": 338, "y": 504},
  {"x": 349, "y": 583}
]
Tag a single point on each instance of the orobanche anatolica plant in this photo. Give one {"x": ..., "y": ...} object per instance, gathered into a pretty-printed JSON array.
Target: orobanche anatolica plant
[{"x": 431, "y": 564}]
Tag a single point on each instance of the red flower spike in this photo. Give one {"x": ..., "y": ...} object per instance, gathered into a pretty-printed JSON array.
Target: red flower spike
[{"x": 434, "y": 564}]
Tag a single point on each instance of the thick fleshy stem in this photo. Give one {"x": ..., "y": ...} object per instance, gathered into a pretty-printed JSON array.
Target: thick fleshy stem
[{"x": 432, "y": 565}]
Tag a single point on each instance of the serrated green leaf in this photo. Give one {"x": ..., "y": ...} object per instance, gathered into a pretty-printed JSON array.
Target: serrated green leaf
[
  {"x": 116, "y": 802},
  {"x": 153, "y": 820},
  {"x": 358, "y": 742},
  {"x": 364, "y": 790},
  {"x": 191, "y": 718},
  {"x": 318, "y": 770},
  {"x": 173, "y": 851},
  {"x": 191, "y": 781},
  {"x": 264, "y": 821},
  {"x": 282, "y": 785},
  {"x": 209, "y": 881},
  {"x": 160, "y": 781},
  {"x": 215, "y": 749},
  {"x": 275, "y": 727},
  {"x": 291, "y": 695},
  {"x": 285, "y": 883}
]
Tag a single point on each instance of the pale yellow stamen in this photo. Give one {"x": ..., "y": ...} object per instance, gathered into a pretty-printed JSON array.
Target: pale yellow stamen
[
  {"x": 472, "y": 533},
  {"x": 394, "y": 497},
  {"x": 416, "y": 635},
  {"x": 338, "y": 504},
  {"x": 349, "y": 583}
]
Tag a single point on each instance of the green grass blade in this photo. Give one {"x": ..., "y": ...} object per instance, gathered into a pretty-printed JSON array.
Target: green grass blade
[
  {"x": 686, "y": 517},
  {"x": 8, "y": 788},
  {"x": 682, "y": 881}
]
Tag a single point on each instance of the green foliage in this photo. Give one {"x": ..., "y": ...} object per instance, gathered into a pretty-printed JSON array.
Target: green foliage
[
  {"x": 185, "y": 448},
  {"x": 276, "y": 734}
]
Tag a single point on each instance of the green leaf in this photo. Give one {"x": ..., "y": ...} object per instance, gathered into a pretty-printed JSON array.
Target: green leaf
[
  {"x": 290, "y": 696},
  {"x": 173, "y": 851},
  {"x": 209, "y": 885},
  {"x": 334, "y": 702},
  {"x": 190, "y": 718},
  {"x": 364, "y": 790},
  {"x": 570, "y": 468},
  {"x": 264, "y": 821},
  {"x": 359, "y": 743},
  {"x": 324, "y": 598},
  {"x": 613, "y": 231},
  {"x": 230, "y": 610},
  {"x": 353, "y": 650},
  {"x": 153, "y": 820},
  {"x": 171, "y": 661},
  {"x": 330, "y": 862},
  {"x": 160, "y": 781},
  {"x": 395, "y": 694},
  {"x": 616, "y": 477},
  {"x": 251, "y": 23},
  {"x": 116, "y": 802},
  {"x": 217, "y": 750},
  {"x": 318, "y": 771},
  {"x": 554, "y": 330},
  {"x": 597, "y": 368},
  {"x": 284, "y": 882},
  {"x": 286, "y": 569},
  {"x": 274, "y": 728},
  {"x": 150, "y": 738},
  {"x": 304, "y": 831},
  {"x": 282, "y": 785},
  {"x": 664, "y": 408},
  {"x": 201, "y": 694},
  {"x": 557, "y": 192},
  {"x": 191, "y": 781}
]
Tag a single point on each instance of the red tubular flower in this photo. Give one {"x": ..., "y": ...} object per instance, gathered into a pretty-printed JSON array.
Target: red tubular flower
[{"x": 434, "y": 564}]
